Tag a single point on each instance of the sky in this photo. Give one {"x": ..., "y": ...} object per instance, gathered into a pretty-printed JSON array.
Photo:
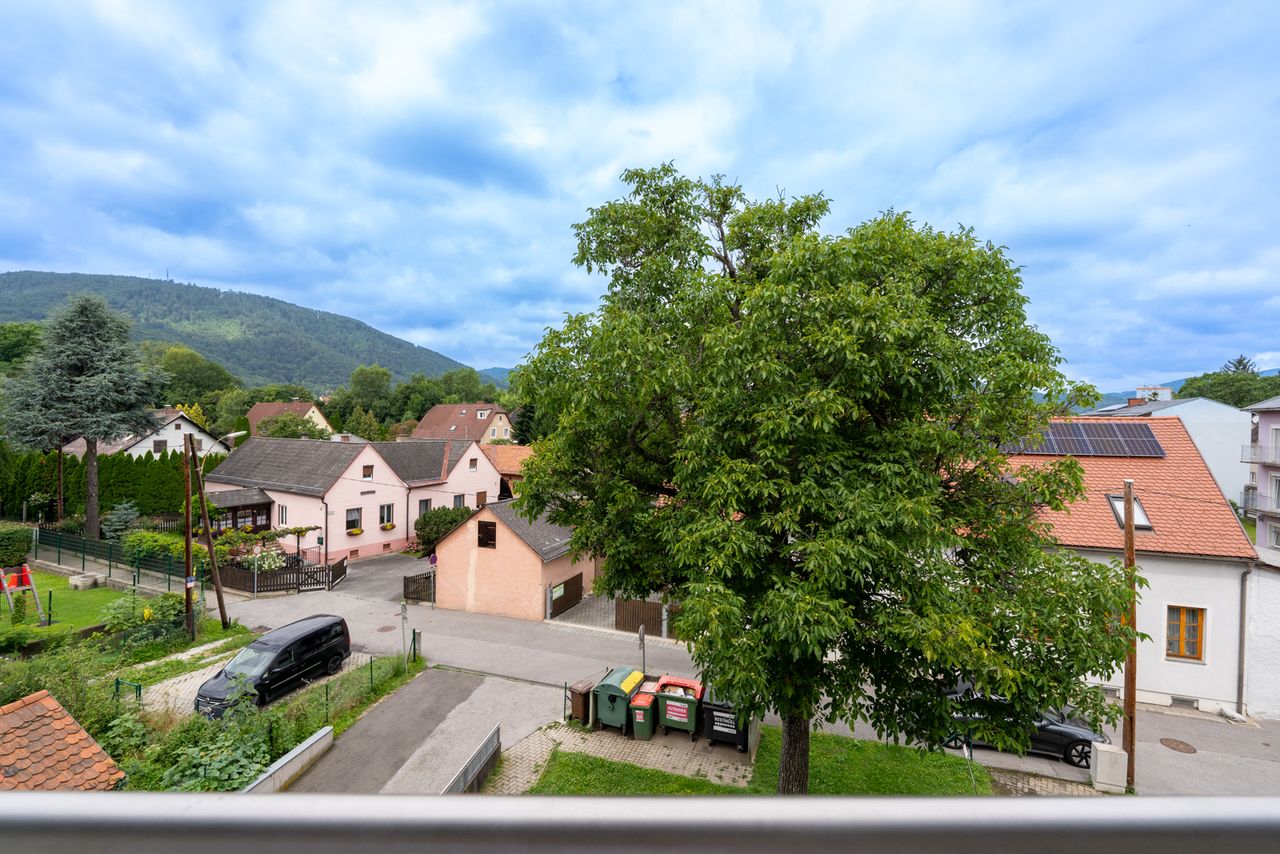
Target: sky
[{"x": 420, "y": 166}]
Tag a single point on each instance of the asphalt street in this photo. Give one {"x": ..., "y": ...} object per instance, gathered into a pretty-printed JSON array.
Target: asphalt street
[{"x": 515, "y": 669}]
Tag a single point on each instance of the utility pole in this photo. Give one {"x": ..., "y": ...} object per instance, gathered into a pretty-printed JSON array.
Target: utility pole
[
  {"x": 187, "y": 584},
  {"x": 208, "y": 535},
  {"x": 1131, "y": 657}
]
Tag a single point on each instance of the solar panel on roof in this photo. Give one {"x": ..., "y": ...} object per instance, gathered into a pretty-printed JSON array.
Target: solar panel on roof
[{"x": 1085, "y": 439}]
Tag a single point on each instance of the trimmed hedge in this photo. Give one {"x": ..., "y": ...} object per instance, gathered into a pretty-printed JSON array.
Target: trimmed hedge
[{"x": 15, "y": 542}]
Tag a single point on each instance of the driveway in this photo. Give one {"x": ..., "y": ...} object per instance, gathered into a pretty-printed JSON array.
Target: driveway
[{"x": 381, "y": 578}]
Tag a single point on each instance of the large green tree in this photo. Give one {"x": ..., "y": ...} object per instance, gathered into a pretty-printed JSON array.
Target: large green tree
[
  {"x": 288, "y": 425},
  {"x": 86, "y": 380},
  {"x": 799, "y": 438},
  {"x": 192, "y": 377},
  {"x": 1237, "y": 388}
]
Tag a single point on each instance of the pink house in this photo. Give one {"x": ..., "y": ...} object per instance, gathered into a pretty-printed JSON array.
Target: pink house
[
  {"x": 362, "y": 498},
  {"x": 499, "y": 563}
]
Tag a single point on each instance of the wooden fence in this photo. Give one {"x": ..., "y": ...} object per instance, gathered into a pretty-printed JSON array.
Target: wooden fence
[
  {"x": 421, "y": 588},
  {"x": 241, "y": 576}
]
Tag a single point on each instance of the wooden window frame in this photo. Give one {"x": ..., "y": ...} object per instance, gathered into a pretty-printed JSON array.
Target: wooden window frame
[
  {"x": 1176, "y": 632},
  {"x": 366, "y": 473},
  {"x": 160, "y": 446},
  {"x": 487, "y": 535},
  {"x": 482, "y": 498}
]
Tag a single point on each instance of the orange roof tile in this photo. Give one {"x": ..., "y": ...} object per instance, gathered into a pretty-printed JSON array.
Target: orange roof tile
[
  {"x": 507, "y": 459},
  {"x": 42, "y": 747},
  {"x": 1189, "y": 514}
]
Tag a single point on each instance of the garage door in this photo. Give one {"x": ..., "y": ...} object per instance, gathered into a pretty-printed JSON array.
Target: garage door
[{"x": 566, "y": 594}]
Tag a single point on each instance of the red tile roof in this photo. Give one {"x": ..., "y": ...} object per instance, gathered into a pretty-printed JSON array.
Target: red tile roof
[
  {"x": 507, "y": 459},
  {"x": 260, "y": 412},
  {"x": 1189, "y": 514},
  {"x": 457, "y": 421},
  {"x": 42, "y": 747}
]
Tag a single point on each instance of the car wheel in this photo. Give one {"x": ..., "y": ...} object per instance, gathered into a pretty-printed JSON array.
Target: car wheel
[
  {"x": 954, "y": 742},
  {"x": 335, "y": 664},
  {"x": 1077, "y": 754}
]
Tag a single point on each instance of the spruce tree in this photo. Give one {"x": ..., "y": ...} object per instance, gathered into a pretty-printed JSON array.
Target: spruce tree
[{"x": 86, "y": 380}]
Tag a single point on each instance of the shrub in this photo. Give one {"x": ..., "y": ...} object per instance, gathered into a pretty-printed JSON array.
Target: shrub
[
  {"x": 434, "y": 524},
  {"x": 15, "y": 542},
  {"x": 145, "y": 619},
  {"x": 119, "y": 520},
  {"x": 18, "y": 615}
]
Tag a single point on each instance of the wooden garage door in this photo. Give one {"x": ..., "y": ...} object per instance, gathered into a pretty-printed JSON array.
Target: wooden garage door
[{"x": 566, "y": 594}]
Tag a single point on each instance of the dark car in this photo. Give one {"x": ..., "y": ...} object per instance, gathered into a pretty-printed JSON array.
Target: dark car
[
  {"x": 1056, "y": 734},
  {"x": 278, "y": 662}
]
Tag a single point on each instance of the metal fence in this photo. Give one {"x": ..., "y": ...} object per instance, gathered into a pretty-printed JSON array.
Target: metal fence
[
  {"x": 61, "y": 547},
  {"x": 471, "y": 776},
  {"x": 623, "y": 615}
]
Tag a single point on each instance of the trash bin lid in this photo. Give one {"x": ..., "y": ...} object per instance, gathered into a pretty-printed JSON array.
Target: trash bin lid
[
  {"x": 693, "y": 686},
  {"x": 620, "y": 681},
  {"x": 642, "y": 701},
  {"x": 649, "y": 687}
]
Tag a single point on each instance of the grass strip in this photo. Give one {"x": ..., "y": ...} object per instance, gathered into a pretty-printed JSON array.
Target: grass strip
[{"x": 580, "y": 774}]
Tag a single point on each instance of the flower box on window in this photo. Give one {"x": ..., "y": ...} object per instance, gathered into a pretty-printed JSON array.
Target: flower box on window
[
  {"x": 387, "y": 526},
  {"x": 354, "y": 532}
]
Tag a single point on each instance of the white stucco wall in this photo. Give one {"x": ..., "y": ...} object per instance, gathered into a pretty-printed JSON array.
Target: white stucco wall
[
  {"x": 1262, "y": 664},
  {"x": 1213, "y": 585},
  {"x": 1219, "y": 431},
  {"x": 173, "y": 434}
]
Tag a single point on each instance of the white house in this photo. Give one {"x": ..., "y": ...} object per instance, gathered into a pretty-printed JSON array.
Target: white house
[
  {"x": 1218, "y": 430},
  {"x": 361, "y": 497},
  {"x": 169, "y": 436},
  {"x": 1190, "y": 548}
]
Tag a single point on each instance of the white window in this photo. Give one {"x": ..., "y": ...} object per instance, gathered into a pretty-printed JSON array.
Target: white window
[
  {"x": 459, "y": 501},
  {"x": 506, "y": 432},
  {"x": 1275, "y": 536},
  {"x": 1140, "y": 520},
  {"x": 482, "y": 414},
  {"x": 386, "y": 514},
  {"x": 424, "y": 506},
  {"x": 353, "y": 519},
  {"x": 493, "y": 433},
  {"x": 282, "y": 515}
]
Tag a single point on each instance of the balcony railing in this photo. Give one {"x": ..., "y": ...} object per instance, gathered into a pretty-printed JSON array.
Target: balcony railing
[
  {"x": 1265, "y": 454},
  {"x": 56, "y": 822},
  {"x": 1252, "y": 501}
]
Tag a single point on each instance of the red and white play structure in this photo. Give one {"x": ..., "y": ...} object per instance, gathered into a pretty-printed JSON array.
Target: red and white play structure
[{"x": 18, "y": 581}]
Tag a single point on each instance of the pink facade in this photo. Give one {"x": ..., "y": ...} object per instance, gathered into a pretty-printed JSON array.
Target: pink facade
[
  {"x": 508, "y": 580},
  {"x": 357, "y": 501}
]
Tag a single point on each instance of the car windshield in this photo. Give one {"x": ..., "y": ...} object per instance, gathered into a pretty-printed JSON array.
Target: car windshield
[{"x": 250, "y": 661}]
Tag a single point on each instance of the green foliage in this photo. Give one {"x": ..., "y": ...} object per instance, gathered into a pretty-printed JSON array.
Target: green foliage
[
  {"x": 362, "y": 423},
  {"x": 848, "y": 766},
  {"x": 145, "y": 618},
  {"x": 287, "y": 425},
  {"x": 370, "y": 384},
  {"x": 18, "y": 615},
  {"x": 125, "y": 735},
  {"x": 17, "y": 342},
  {"x": 191, "y": 377},
  {"x": 196, "y": 413},
  {"x": 1241, "y": 364},
  {"x": 119, "y": 520},
  {"x": 85, "y": 381},
  {"x": 435, "y": 523},
  {"x": 1232, "y": 387},
  {"x": 799, "y": 439},
  {"x": 464, "y": 385},
  {"x": 160, "y": 546},
  {"x": 153, "y": 484},
  {"x": 260, "y": 339},
  {"x": 15, "y": 542}
]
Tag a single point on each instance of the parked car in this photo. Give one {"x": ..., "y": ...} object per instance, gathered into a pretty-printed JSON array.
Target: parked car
[
  {"x": 278, "y": 662},
  {"x": 1057, "y": 733}
]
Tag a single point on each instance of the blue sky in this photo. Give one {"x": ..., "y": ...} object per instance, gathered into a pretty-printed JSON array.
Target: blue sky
[{"x": 419, "y": 167}]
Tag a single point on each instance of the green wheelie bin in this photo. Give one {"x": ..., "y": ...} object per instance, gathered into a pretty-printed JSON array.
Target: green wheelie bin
[
  {"x": 644, "y": 714},
  {"x": 613, "y": 696}
]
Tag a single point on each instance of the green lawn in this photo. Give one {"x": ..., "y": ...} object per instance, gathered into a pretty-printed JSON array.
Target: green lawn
[
  {"x": 579, "y": 774},
  {"x": 837, "y": 766},
  {"x": 846, "y": 766},
  {"x": 1250, "y": 528},
  {"x": 72, "y": 609}
]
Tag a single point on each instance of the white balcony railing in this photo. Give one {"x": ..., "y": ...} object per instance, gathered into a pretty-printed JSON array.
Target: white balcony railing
[
  {"x": 138, "y": 823},
  {"x": 1264, "y": 454}
]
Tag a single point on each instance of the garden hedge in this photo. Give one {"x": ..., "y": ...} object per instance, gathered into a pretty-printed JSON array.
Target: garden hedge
[{"x": 15, "y": 542}]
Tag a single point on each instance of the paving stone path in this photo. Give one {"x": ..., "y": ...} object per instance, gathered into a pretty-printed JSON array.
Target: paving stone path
[{"x": 1020, "y": 784}]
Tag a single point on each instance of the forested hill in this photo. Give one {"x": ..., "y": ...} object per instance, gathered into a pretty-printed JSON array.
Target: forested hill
[{"x": 259, "y": 339}]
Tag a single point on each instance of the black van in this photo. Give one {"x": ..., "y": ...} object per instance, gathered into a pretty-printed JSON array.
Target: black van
[{"x": 278, "y": 662}]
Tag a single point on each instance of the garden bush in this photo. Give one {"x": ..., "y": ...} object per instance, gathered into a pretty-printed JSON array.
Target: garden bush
[
  {"x": 15, "y": 542},
  {"x": 434, "y": 524},
  {"x": 145, "y": 619}
]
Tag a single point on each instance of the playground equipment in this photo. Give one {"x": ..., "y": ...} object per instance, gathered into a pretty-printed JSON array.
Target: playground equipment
[{"x": 20, "y": 580}]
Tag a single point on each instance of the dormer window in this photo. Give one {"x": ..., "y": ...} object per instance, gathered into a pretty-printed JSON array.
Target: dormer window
[
  {"x": 482, "y": 414},
  {"x": 1140, "y": 520}
]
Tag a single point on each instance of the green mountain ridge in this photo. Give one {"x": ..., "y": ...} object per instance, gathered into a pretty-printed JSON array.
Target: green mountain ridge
[{"x": 260, "y": 339}]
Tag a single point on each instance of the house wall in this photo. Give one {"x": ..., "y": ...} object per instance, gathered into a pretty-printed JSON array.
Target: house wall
[
  {"x": 1219, "y": 432},
  {"x": 1268, "y": 494},
  {"x": 506, "y": 581},
  {"x": 1262, "y": 660},
  {"x": 499, "y": 428},
  {"x": 1212, "y": 584},
  {"x": 173, "y": 434},
  {"x": 562, "y": 569},
  {"x": 352, "y": 491},
  {"x": 317, "y": 418}
]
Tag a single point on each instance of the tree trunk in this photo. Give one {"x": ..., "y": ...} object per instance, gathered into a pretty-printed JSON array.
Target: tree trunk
[
  {"x": 793, "y": 763},
  {"x": 90, "y": 488}
]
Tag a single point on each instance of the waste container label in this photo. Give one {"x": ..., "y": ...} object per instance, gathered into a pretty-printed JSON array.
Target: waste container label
[
  {"x": 724, "y": 722},
  {"x": 678, "y": 712},
  {"x": 639, "y": 715}
]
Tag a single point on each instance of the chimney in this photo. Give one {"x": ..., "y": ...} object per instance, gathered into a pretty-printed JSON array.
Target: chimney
[{"x": 1137, "y": 401}]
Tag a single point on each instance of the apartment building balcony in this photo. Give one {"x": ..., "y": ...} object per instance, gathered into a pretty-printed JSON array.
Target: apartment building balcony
[{"x": 1266, "y": 455}]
